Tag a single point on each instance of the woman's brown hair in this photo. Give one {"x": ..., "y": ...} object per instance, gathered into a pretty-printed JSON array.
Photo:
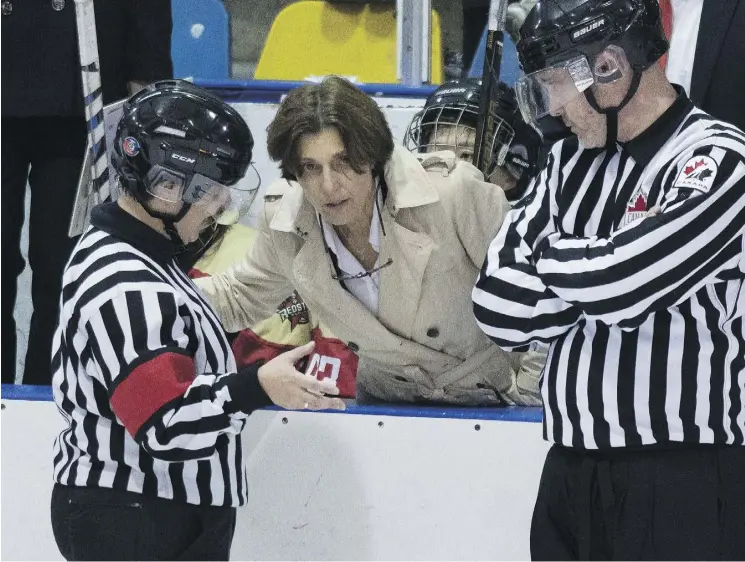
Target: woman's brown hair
[{"x": 337, "y": 103}]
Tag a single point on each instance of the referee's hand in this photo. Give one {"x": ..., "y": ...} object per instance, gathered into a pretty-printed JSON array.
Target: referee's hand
[{"x": 293, "y": 390}]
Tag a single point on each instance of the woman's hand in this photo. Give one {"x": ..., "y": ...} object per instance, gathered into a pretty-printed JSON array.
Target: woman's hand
[{"x": 291, "y": 389}]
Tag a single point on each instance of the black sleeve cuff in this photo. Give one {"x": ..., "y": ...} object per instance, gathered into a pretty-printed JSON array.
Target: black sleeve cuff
[{"x": 246, "y": 392}]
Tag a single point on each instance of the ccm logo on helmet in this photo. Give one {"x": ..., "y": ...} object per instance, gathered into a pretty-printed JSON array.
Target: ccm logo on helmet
[
  {"x": 597, "y": 24},
  {"x": 183, "y": 158}
]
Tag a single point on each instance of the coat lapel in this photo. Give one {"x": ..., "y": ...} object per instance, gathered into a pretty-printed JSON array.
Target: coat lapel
[
  {"x": 312, "y": 269},
  {"x": 401, "y": 282},
  {"x": 716, "y": 18}
]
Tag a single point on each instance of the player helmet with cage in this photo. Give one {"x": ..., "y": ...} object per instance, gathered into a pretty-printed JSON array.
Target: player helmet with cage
[
  {"x": 449, "y": 119},
  {"x": 177, "y": 147},
  {"x": 559, "y": 45}
]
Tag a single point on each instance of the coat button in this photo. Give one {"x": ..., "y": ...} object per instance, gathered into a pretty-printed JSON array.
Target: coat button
[
  {"x": 433, "y": 332},
  {"x": 353, "y": 346}
]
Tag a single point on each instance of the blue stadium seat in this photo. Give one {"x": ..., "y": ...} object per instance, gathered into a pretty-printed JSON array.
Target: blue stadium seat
[
  {"x": 510, "y": 70},
  {"x": 200, "y": 45}
]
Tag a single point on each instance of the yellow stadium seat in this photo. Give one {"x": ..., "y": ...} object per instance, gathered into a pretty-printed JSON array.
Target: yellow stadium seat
[{"x": 313, "y": 38}]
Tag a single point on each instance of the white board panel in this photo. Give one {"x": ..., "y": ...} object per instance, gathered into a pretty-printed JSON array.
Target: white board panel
[{"x": 328, "y": 486}]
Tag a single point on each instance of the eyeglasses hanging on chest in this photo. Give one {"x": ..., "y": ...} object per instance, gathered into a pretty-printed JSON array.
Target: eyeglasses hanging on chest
[{"x": 7, "y": 6}]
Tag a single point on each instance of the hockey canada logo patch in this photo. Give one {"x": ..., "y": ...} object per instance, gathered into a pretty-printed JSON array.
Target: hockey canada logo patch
[
  {"x": 635, "y": 210},
  {"x": 293, "y": 310},
  {"x": 698, "y": 173}
]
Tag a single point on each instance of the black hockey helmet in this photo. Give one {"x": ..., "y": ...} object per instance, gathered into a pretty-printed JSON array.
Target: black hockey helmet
[
  {"x": 176, "y": 141},
  {"x": 456, "y": 105},
  {"x": 452, "y": 104},
  {"x": 558, "y": 30},
  {"x": 562, "y": 33}
]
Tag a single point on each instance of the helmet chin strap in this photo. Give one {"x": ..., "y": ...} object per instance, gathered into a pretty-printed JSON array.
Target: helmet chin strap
[
  {"x": 611, "y": 113},
  {"x": 172, "y": 232},
  {"x": 169, "y": 222}
]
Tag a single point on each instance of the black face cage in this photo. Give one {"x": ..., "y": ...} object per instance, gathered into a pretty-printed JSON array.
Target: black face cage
[{"x": 453, "y": 127}]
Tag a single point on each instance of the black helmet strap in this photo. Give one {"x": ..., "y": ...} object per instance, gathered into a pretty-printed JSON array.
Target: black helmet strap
[
  {"x": 172, "y": 232},
  {"x": 135, "y": 185},
  {"x": 611, "y": 113},
  {"x": 169, "y": 222}
]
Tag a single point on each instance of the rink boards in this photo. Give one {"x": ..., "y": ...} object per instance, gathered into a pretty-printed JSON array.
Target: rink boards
[{"x": 376, "y": 483}]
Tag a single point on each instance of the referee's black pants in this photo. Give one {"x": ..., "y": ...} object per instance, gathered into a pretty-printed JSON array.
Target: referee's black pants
[
  {"x": 48, "y": 153},
  {"x": 104, "y": 524},
  {"x": 676, "y": 503}
]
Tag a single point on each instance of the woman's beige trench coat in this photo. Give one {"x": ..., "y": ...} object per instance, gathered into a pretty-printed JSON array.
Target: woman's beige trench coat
[{"x": 439, "y": 218}]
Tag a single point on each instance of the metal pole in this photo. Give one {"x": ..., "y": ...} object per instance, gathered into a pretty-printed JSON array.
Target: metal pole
[{"x": 414, "y": 35}]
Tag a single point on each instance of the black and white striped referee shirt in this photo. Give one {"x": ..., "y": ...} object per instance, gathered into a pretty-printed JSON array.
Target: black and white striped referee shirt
[
  {"x": 644, "y": 316},
  {"x": 144, "y": 375}
]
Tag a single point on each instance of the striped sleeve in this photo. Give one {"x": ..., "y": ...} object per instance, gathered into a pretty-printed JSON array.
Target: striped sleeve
[
  {"x": 510, "y": 302},
  {"x": 142, "y": 354},
  {"x": 657, "y": 262}
]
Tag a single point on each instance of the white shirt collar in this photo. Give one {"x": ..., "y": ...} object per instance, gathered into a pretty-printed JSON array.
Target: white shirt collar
[
  {"x": 364, "y": 289},
  {"x": 346, "y": 261}
]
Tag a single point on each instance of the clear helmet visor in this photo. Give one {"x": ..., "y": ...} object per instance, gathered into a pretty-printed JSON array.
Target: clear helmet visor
[
  {"x": 225, "y": 204},
  {"x": 547, "y": 91}
]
